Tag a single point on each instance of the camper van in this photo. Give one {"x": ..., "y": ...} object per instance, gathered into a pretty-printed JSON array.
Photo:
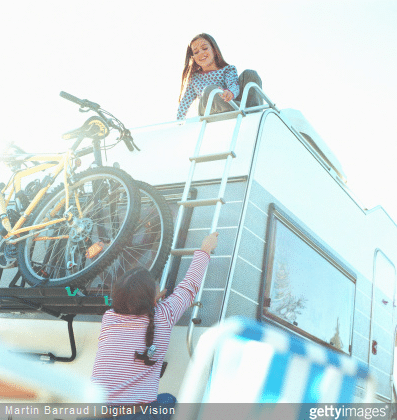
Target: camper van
[{"x": 296, "y": 250}]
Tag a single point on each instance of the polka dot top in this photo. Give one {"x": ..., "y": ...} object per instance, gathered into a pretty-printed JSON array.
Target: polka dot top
[{"x": 225, "y": 78}]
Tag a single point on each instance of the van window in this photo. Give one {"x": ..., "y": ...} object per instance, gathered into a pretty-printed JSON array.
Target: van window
[{"x": 306, "y": 288}]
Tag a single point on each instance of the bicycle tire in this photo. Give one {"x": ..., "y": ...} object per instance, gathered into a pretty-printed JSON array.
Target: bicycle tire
[
  {"x": 109, "y": 204},
  {"x": 151, "y": 242}
]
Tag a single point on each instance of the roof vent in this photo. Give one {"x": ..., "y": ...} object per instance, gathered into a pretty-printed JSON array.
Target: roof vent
[{"x": 301, "y": 125}]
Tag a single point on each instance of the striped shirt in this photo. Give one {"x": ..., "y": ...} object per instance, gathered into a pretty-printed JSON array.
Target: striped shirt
[
  {"x": 226, "y": 78},
  {"x": 127, "y": 380}
]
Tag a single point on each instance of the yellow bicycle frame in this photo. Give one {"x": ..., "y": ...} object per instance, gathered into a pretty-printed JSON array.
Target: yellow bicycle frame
[{"x": 61, "y": 162}]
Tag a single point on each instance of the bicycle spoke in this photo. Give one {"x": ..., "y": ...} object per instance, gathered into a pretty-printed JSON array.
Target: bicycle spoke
[
  {"x": 103, "y": 213},
  {"x": 150, "y": 244}
]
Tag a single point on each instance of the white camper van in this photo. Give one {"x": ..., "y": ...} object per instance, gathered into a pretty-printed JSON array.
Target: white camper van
[{"x": 296, "y": 249}]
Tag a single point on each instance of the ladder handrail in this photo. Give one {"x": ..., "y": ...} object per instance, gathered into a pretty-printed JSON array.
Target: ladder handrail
[
  {"x": 185, "y": 193},
  {"x": 242, "y": 108},
  {"x": 211, "y": 99},
  {"x": 253, "y": 85},
  {"x": 214, "y": 225}
]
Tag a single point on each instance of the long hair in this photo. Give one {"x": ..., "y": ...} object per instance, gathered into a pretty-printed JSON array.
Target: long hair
[
  {"x": 192, "y": 67},
  {"x": 134, "y": 294}
]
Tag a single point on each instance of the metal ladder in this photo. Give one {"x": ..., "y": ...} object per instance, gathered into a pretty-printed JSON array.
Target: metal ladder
[{"x": 217, "y": 202}]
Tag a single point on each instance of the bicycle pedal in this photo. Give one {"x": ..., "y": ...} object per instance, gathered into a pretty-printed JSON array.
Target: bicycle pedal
[{"x": 94, "y": 250}]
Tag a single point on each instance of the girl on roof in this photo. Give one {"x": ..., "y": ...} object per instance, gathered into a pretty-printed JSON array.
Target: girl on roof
[
  {"x": 135, "y": 333},
  {"x": 205, "y": 69}
]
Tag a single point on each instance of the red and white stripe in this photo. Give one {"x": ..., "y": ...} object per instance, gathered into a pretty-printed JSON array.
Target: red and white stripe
[{"x": 130, "y": 381}]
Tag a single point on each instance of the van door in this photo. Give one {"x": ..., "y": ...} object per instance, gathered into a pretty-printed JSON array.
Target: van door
[{"x": 381, "y": 351}]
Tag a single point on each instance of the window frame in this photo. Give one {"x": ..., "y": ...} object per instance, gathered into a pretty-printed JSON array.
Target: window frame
[{"x": 296, "y": 227}]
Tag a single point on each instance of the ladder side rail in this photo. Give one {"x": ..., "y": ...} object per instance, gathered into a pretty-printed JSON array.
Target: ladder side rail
[
  {"x": 178, "y": 222},
  {"x": 225, "y": 175},
  {"x": 215, "y": 219},
  {"x": 243, "y": 109},
  {"x": 228, "y": 164},
  {"x": 197, "y": 304},
  {"x": 252, "y": 109},
  {"x": 193, "y": 318},
  {"x": 211, "y": 99},
  {"x": 185, "y": 193},
  {"x": 240, "y": 227},
  {"x": 252, "y": 85}
]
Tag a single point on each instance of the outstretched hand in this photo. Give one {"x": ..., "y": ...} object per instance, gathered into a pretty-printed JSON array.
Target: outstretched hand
[
  {"x": 226, "y": 95},
  {"x": 160, "y": 295},
  {"x": 210, "y": 242}
]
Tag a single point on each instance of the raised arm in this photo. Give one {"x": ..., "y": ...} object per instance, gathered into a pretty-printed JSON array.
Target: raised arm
[{"x": 176, "y": 304}]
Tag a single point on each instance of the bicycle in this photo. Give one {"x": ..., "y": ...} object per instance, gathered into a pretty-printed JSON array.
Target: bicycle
[{"x": 77, "y": 230}]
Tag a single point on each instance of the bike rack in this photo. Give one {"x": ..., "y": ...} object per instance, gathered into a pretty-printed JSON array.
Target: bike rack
[
  {"x": 50, "y": 357},
  {"x": 56, "y": 302}
]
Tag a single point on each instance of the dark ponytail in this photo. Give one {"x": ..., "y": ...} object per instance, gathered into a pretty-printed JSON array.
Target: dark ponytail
[
  {"x": 134, "y": 294},
  {"x": 150, "y": 330}
]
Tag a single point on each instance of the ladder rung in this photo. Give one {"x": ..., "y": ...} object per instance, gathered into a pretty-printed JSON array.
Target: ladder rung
[
  {"x": 203, "y": 202},
  {"x": 222, "y": 116},
  {"x": 210, "y": 158},
  {"x": 183, "y": 251}
]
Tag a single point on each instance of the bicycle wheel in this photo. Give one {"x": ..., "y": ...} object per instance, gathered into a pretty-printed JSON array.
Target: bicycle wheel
[
  {"x": 151, "y": 242},
  {"x": 105, "y": 206}
]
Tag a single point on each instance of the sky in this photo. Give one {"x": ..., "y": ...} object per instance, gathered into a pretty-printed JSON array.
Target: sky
[{"x": 335, "y": 61}]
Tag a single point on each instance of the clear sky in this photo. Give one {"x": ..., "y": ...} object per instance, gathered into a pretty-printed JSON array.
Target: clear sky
[{"x": 335, "y": 61}]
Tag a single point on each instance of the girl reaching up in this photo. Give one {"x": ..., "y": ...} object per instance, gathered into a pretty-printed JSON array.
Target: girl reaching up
[{"x": 135, "y": 333}]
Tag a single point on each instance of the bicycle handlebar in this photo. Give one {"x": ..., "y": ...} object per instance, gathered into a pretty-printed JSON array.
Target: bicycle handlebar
[
  {"x": 125, "y": 134},
  {"x": 12, "y": 145},
  {"x": 82, "y": 102},
  {"x": 6, "y": 157},
  {"x": 128, "y": 141}
]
